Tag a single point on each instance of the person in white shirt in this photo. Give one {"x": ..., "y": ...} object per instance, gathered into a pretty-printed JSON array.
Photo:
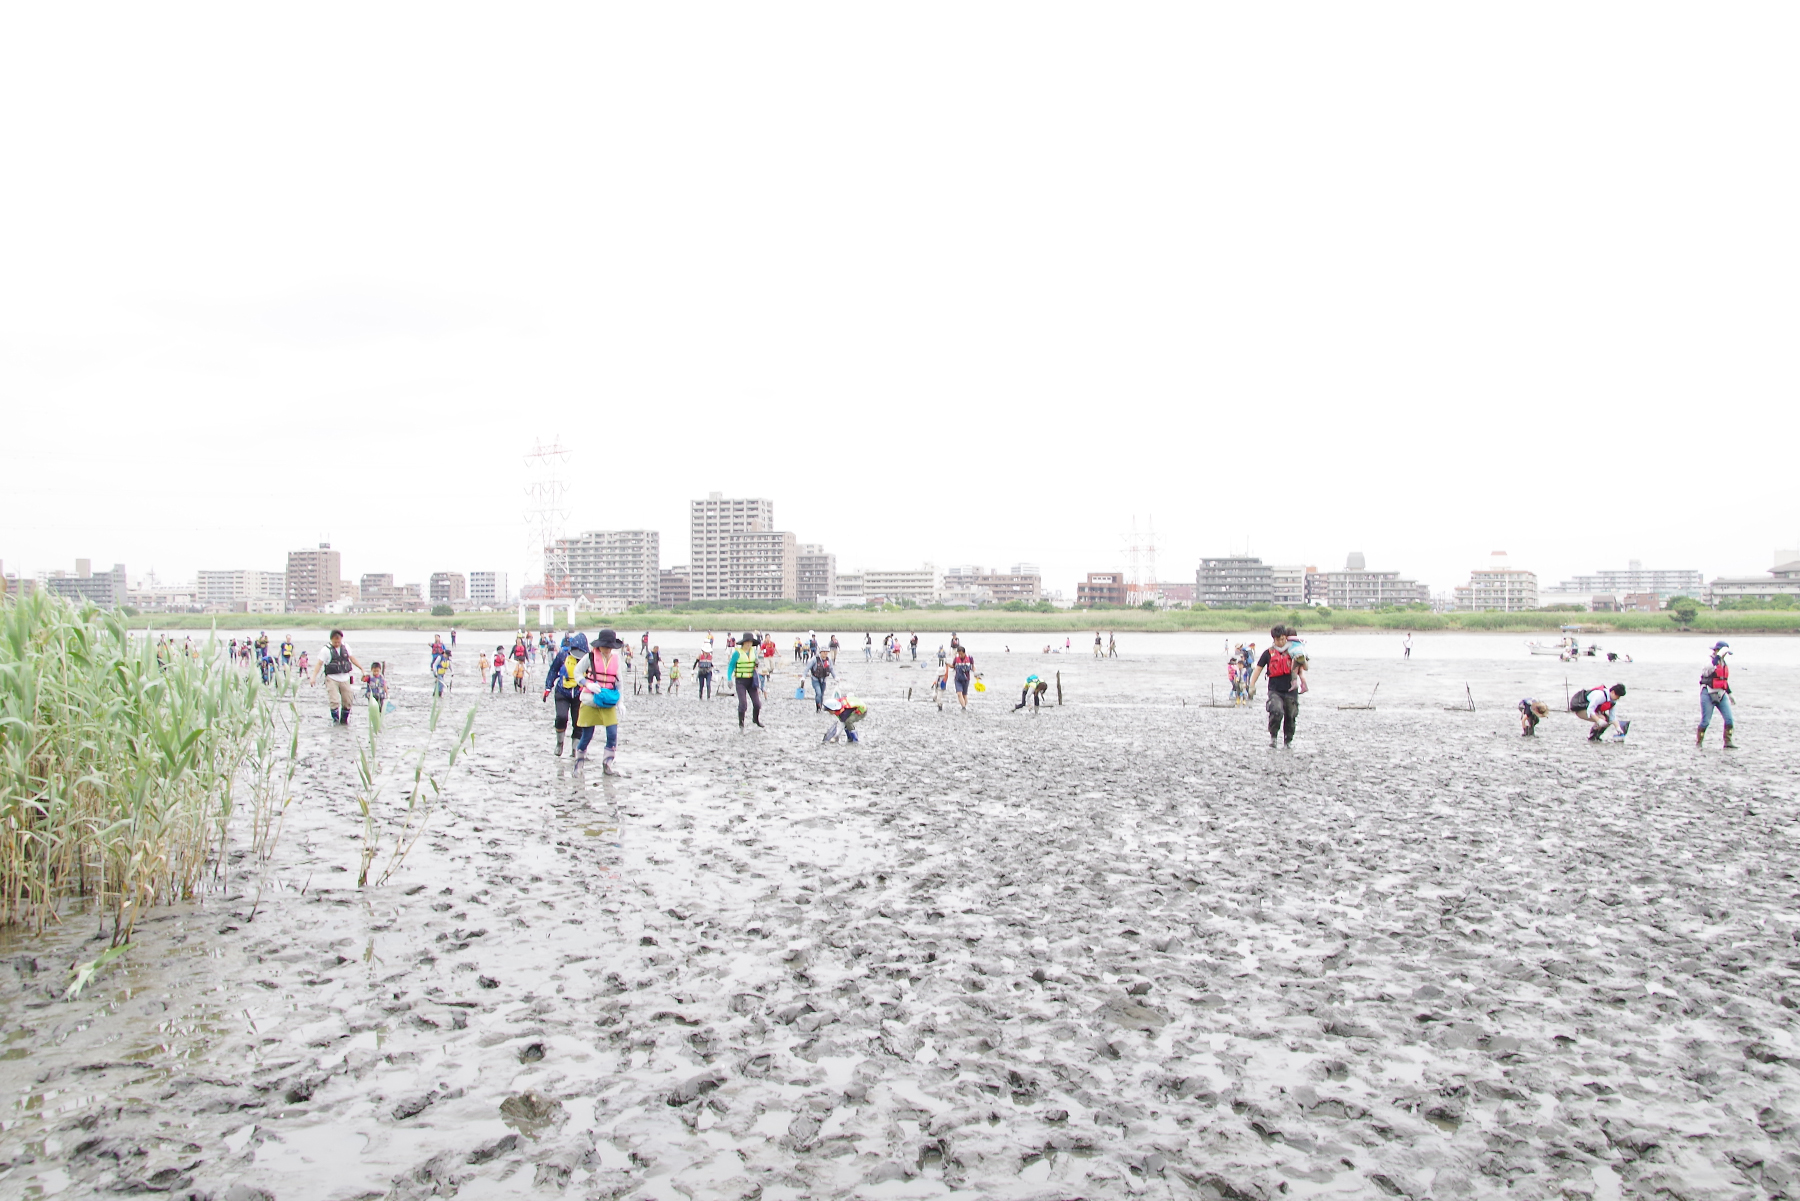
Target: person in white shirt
[{"x": 339, "y": 667}]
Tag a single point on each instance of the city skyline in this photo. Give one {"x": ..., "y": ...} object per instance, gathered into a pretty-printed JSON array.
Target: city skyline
[{"x": 1344, "y": 345}]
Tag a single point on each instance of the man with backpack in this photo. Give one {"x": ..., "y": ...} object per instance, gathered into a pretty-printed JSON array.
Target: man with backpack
[
  {"x": 339, "y": 667},
  {"x": 820, "y": 671},
  {"x": 1599, "y": 706},
  {"x": 564, "y": 681},
  {"x": 1284, "y": 700}
]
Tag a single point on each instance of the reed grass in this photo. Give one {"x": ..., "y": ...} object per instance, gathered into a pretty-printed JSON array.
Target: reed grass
[{"x": 119, "y": 772}]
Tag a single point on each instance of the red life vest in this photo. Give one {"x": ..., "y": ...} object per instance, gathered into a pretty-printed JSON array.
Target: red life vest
[
  {"x": 1717, "y": 676},
  {"x": 1280, "y": 662}
]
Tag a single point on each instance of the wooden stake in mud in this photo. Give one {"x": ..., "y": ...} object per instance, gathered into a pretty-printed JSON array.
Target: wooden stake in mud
[
  {"x": 909, "y": 694},
  {"x": 1059, "y": 689}
]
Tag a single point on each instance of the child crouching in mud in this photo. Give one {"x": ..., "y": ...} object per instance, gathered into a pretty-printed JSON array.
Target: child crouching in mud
[
  {"x": 848, "y": 711},
  {"x": 1530, "y": 714}
]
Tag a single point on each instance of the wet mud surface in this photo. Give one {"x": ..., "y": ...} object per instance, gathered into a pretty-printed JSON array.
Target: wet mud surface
[{"x": 1119, "y": 948}]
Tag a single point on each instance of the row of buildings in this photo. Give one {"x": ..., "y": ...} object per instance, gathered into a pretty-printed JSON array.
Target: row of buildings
[
  {"x": 1243, "y": 581},
  {"x": 735, "y": 553}
]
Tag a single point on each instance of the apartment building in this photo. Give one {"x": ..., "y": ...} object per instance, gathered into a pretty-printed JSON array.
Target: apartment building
[
  {"x": 314, "y": 579},
  {"x": 222, "y": 590},
  {"x": 672, "y": 586},
  {"x": 1783, "y": 579},
  {"x": 489, "y": 589},
  {"x": 919, "y": 584},
  {"x": 1356, "y": 587},
  {"x": 712, "y": 523},
  {"x": 448, "y": 587},
  {"x": 762, "y": 565},
  {"x": 377, "y": 593},
  {"x": 1020, "y": 582},
  {"x": 107, "y": 590},
  {"x": 816, "y": 573},
  {"x": 1287, "y": 584},
  {"x": 616, "y": 564},
  {"x": 1636, "y": 578},
  {"x": 1234, "y": 581},
  {"x": 1497, "y": 586},
  {"x": 1101, "y": 588}
]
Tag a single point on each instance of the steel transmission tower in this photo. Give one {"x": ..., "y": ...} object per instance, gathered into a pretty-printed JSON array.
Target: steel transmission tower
[
  {"x": 547, "y": 512},
  {"x": 1140, "y": 560}
]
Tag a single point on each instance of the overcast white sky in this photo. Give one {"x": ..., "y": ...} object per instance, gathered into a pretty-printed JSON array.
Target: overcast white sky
[{"x": 968, "y": 283}]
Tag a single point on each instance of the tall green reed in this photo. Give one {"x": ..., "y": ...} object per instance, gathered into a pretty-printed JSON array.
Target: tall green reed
[{"x": 119, "y": 774}]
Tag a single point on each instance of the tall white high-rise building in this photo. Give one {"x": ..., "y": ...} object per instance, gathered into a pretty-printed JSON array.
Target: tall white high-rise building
[{"x": 711, "y": 525}]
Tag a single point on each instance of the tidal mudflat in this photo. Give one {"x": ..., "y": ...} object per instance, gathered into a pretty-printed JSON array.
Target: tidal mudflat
[{"x": 1118, "y": 948}]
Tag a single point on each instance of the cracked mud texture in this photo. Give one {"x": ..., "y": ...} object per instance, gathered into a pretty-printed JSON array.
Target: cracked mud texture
[{"x": 1120, "y": 948}]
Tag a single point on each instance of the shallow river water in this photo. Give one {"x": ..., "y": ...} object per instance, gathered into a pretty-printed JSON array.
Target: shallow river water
[{"x": 1116, "y": 948}]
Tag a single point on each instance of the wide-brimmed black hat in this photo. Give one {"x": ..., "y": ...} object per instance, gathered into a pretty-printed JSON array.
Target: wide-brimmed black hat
[{"x": 609, "y": 638}]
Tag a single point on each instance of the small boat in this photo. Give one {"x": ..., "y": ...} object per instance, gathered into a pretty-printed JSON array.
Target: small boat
[{"x": 1566, "y": 648}]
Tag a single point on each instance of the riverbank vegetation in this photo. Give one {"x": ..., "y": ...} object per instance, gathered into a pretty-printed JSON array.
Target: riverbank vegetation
[{"x": 121, "y": 767}]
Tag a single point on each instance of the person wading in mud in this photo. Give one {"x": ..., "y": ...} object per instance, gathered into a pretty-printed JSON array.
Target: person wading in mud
[
  {"x": 340, "y": 667},
  {"x": 1715, "y": 693},
  {"x": 740, "y": 669},
  {"x": 599, "y": 704},
  {"x": 564, "y": 682},
  {"x": 1284, "y": 702}
]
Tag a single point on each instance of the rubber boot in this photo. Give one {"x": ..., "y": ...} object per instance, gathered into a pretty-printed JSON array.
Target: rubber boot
[
  {"x": 334, "y": 717},
  {"x": 580, "y": 756},
  {"x": 606, "y": 761},
  {"x": 1729, "y": 745},
  {"x": 559, "y": 742},
  {"x": 1699, "y": 735}
]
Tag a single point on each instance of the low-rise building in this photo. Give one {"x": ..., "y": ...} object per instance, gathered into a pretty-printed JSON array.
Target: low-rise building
[
  {"x": 672, "y": 586},
  {"x": 377, "y": 593},
  {"x": 1783, "y": 579},
  {"x": 1101, "y": 588},
  {"x": 1665, "y": 582},
  {"x": 919, "y": 585}
]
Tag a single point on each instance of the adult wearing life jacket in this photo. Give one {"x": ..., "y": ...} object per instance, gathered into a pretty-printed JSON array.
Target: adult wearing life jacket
[
  {"x": 740, "y": 669},
  {"x": 599, "y": 698},
  {"x": 1599, "y": 706},
  {"x": 564, "y": 682},
  {"x": 339, "y": 667},
  {"x": 703, "y": 672},
  {"x": 1283, "y": 704},
  {"x": 1715, "y": 693}
]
